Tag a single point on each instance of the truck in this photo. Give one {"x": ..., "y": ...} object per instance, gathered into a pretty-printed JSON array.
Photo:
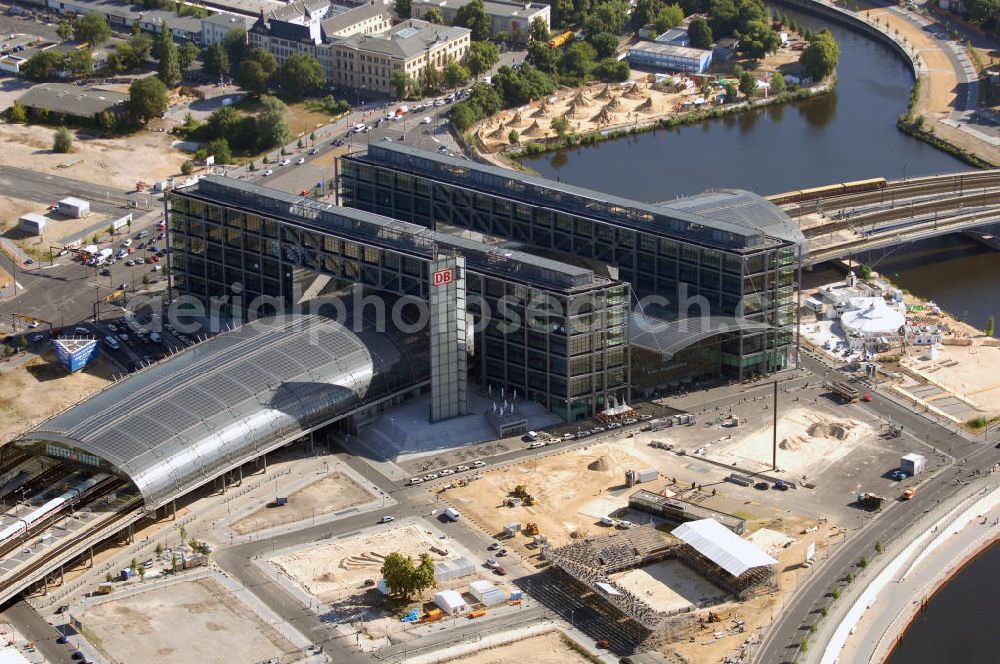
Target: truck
[
  {"x": 452, "y": 514},
  {"x": 101, "y": 256},
  {"x": 871, "y": 500},
  {"x": 909, "y": 492},
  {"x": 846, "y": 393},
  {"x": 561, "y": 40}
]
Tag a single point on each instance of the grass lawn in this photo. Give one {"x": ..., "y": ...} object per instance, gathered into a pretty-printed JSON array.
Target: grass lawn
[{"x": 301, "y": 121}]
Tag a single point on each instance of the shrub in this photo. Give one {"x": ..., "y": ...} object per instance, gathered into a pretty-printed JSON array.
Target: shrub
[
  {"x": 187, "y": 168},
  {"x": 62, "y": 142}
]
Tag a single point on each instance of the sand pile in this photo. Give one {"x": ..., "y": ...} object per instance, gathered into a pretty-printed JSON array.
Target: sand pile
[
  {"x": 792, "y": 443},
  {"x": 369, "y": 559},
  {"x": 603, "y": 463},
  {"x": 646, "y": 105},
  {"x": 605, "y": 93},
  {"x": 634, "y": 92},
  {"x": 836, "y": 430},
  {"x": 542, "y": 112},
  {"x": 534, "y": 130}
]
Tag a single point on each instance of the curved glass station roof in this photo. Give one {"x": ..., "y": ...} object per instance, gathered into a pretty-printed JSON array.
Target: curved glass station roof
[{"x": 189, "y": 418}]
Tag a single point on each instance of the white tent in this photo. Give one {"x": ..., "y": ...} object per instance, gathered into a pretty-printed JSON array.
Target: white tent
[
  {"x": 450, "y": 602},
  {"x": 871, "y": 317},
  {"x": 486, "y": 593},
  {"x": 722, "y": 546}
]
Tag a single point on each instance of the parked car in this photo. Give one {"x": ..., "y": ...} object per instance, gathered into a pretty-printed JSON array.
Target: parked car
[
  {"x": 479, "y": 464},
  {"x": 267, "y": 172},
  {"x": 284, "y": 162},
  {"x": 387, "y": 519},
  {"x": 300, "y": 161},
  {"x": 314, "y": 151}
]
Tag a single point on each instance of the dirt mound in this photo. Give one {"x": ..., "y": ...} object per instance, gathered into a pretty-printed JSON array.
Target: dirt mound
[
  {"x": 604, "y": 463},
  {"x": 830, "y": 430},
  {"x": 791, "y": 444},
  {"x": 369, "y": 559}
]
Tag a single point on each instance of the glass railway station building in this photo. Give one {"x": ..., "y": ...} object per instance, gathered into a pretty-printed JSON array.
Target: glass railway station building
[{"x": 614, "y": 298}]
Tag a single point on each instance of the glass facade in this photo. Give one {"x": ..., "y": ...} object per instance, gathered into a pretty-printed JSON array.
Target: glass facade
[
  {"x": 688, "y": 268},
  {"x": 555, "y": 333}
]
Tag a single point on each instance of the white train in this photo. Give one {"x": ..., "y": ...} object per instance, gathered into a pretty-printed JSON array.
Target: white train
[{"x": 23, "y": 524}]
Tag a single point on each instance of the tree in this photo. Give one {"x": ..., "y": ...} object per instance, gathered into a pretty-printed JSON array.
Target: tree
[
  {"x": 732, "y": 93},
  {"x": 757, "y": 39},
  {"x": 748, "y": 84},
  {"x": 147, "y": 98},
  {"x": 302, "y": 74},
  {"x": 577, "y": 60},
  {"x": 402, "y": 83},
  {"x": 431, "y": 78},
  {"x": 187, "y": 168},
  {"x": 981, "y": 11},
  {"x": 62, "y": 141},
  {"x": 142, "y": 570},
  {"x": 513, "y": 137},
  {"x": 646, "y": 11},
  {"x": 669, "y": 17},
  {"x": 991, "y": 325},
  {"x": 219, "y": 148},
  {"x": 403, "y": 8},
  {"x": 159, "y": 549},
  {"x": 187, "y": 54},
  {"x": 93, "y": 29},
  {"x": 539, "y": 31},
  {"x": 473, "y": 16},
  {"x": 541, "y": 57},
  {"x": 777, "y": 83},
  {"x": 272, "y": 129},
  {"x": 79, "y": 62},
  {"x": 821, "y": 56},
  {"x": 65, "y": 29},
  {"x": 561, "y": 126},
  {"x": 700, "y": 33},
  {"x": 255, "y": 72},
  {"x": 435, "y": 16},
  {"x": 482, "y": 56},
  {"x": 235, "y": 43},
  {"x": 42, "y": 65},
  {"x": 611, "y": 70},
  {"x": 399, "y": 573},
  {"x": 17, "y": 113},
  {"x": 424, "y": 574},
  {"x": 605, "y": 43},
  {"x": 216, "y": 60},
  {"x": 165, "y": 50},
  {"x": 463, "y": 116},
  {"x": 455, "y": 74}
]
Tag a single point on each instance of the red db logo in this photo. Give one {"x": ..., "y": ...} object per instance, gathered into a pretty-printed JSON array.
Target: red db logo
[{"x": 442, "y": 277}]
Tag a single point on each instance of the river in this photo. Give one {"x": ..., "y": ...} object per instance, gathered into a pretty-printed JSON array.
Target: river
[{"x": 847, "y": 135}]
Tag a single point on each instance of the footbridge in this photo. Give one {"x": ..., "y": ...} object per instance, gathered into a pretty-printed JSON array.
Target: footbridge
[{"x": 845, "y": 219}]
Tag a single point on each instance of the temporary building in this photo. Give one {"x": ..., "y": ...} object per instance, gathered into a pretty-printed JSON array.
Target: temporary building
[
  {"x": 871, "y": 317},
  {"x": 447, "y": 570},
  {"x": 74, "y": 207},
  {"x": 722, "y": 546},
  {"x": 450, "y": 602},
  {"x": 486, "y": 593},
  {"x": 33, "y": 223},
  {"x": 912, "y": 464}
]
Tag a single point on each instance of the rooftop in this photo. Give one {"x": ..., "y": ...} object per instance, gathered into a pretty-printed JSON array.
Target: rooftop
[
  {"x": 246, "y": 7},
  {"x": 345, "y": 19},
  {"x": 670, "y": 49},
  {"x": 407, "y": 39},
  {"x": 724, "y": 219},
  {"x": 722, "y": 546},
  {"x": 382, "y": 231},
  {"x": 187, "y": 419},
  {"x": 493, "y": 7},
  {"x": 76, "y": 100}
]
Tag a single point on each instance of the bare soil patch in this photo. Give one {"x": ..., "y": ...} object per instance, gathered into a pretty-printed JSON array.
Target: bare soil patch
[
  {"x": 333, "y": 492},
  {"x": 543, "y": 649}
]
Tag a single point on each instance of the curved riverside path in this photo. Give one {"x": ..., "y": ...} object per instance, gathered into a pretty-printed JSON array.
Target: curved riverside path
[{"x": 885, "y": 608}]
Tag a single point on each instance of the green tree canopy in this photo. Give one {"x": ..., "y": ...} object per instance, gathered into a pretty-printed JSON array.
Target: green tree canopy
[
  {"x": 612, "y": 70},
  {"x": 669, "y": 17},
  {"x": 147, "y": 98},
  {"x": 255, "y": 72},
  {"x": 219, "y": 148},
  {"x": 561, "y": 126},
  {"x": 821, "y": 56},
  {"x": 402, "y": 84},
  {"x": 473, "y": 16},
  {"x": 482, "y": 56},
  {"x": 700, "y": 33},
  {"x": 455, "y": 74},
  {"x": 216, "y": 60},
  {"x": 302, "y": 74},
  {"x": 982, "y": 11},
  {"x": 403, "y": 8},
  {"x": 757, "y": 39},
  {"x": 79, "y": 62},
  {"x": 778, "y": 83},
  {"x": 165, "y": 51},
  {"x": 62, "y": 141},
  {"x": 539, "y": 31},
  {"x": 645, "y": 11},
  {"x": 42, "y": 65},
  {"x": 93, "y": 29},
  {"x": 605, "y": 43},
  {"x": 435, "y": 16},
  {"x": 577, "y": 60},
  {"x": 541, "y": 57},
  {"x": 400, "y": 574},
  {"x": 187, "y": 54},
  {"x": 748, "y": 84},
  {"x": 272, "y": 130},
  {"x": 235, "y": 43}
]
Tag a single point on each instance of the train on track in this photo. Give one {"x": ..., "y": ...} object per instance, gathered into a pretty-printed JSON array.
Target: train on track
[
  {"x": 70, "y": 496},
  {"x": 856, "y": 187}
]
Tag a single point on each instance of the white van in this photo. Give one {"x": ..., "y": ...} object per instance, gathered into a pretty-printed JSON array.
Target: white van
[
  {"x": 452, "y": 514},
  {"x": 608, "y": 521}
]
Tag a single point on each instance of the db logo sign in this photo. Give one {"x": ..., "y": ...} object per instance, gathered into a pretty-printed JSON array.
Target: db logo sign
[{"x": 442, "y": 277}]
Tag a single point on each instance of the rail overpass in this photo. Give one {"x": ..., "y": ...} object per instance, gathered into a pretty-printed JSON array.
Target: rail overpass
[{"x": 842, "y": 220}]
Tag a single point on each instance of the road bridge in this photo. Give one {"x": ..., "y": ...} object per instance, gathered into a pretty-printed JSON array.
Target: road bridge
[{"x": 845, "y": 219}]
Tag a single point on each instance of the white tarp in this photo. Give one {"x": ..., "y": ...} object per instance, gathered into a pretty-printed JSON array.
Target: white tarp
[
  {"x": 450, "y": 602},
  {"x": 608, "y": 588},
  {"x": 722, "y": 546}
]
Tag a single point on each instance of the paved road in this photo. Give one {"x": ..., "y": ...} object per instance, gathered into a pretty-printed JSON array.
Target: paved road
[
  {"x": 781, "y": 642},
  {"x": 33, "y": 627}
]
